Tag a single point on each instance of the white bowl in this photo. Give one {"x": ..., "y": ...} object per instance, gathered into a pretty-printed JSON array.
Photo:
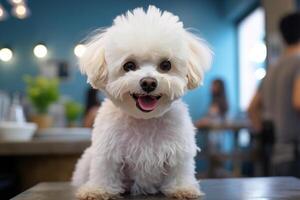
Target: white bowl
[{"x": 13, "y": 131}]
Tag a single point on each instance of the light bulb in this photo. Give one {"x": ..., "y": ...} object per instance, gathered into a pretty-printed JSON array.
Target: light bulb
[
  {"x": 6, "y": 54},
  {"x": 260, "y": 73},
  {"x": 79, "y": 50},
  {"x": 15, "y": 2},
  {"x": 3, "y": 14},
  {"x": 40, "y": 51},
  {"x": 20, "y": 11}
]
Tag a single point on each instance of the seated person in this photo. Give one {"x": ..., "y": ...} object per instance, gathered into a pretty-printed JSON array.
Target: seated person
[
  {"x": 92, "y": 105},
  {"x": 218, "y": 106}
]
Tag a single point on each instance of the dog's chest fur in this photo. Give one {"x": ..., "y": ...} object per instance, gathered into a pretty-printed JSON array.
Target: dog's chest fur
[
  {"x": 144, "y": 149},
  {"x": 147, "y": 146},
  {"x": 147, "y": 151}
]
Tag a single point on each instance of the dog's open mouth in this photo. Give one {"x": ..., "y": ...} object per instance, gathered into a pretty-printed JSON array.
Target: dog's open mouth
[{"x": 146, "y": 103}]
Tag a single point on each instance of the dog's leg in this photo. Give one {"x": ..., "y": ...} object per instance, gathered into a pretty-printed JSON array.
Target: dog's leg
[
  {"x": 181, "y": 182},
  {"x": 104, "y": 181},
  {"x": 81, "y": 172}
]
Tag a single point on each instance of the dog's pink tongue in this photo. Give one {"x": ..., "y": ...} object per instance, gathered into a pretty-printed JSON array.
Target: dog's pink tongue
[{"x": 147, "y": 102}]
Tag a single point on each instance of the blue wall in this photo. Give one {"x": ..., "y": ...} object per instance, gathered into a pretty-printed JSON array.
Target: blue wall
[
  {"x": 62, "y": 24},
  {"x": 235, "y": 9}
]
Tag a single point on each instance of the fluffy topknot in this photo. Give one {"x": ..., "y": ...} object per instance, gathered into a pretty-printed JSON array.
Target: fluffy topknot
[{"x": 151, "y": 16}]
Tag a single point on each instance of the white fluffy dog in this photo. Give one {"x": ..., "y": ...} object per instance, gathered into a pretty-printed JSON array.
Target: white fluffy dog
[{"x": 143, "y": 139}]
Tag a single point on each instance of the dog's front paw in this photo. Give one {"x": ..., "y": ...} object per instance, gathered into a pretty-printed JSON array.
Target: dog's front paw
[
  {"x": 94, "y": 193},
  {"x": 185, "y": 193}
]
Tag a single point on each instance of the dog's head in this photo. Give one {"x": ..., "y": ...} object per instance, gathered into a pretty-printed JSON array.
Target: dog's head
[{"x": 145, "y": 61}]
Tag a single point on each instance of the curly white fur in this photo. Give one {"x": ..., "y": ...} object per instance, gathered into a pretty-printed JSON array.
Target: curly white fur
[{"x": 132, "y": 150}]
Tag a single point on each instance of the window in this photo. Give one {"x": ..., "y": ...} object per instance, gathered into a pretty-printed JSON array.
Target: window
[{"x": 252, "y": 55}]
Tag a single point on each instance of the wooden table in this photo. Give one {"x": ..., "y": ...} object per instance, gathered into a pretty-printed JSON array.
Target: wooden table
[
  {"x": 26, "y": 163},
  {"x": 215, "y": 189},
  {"x": 54, "y": 146},
  {"x": 212, "y": 127},
  {"x": 233, "y": 125}
]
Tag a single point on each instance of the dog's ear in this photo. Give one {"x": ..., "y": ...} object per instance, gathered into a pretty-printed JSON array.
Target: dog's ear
[
  {"x": 92, "y": 62},
  {"x": 199, "y": 60}
]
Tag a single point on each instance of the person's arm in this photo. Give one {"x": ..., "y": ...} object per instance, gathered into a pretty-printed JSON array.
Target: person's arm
[
  {"x": 254, "y": 111},
  {"x": 296, "y": 94}
]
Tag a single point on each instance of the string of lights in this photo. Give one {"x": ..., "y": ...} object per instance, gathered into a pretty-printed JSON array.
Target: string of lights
[
  {"x": 40, "y": 51},
  {"x": 19, "y": 10}
]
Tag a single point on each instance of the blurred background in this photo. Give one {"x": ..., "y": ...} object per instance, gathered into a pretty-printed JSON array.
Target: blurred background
[{"x": 47, "y": 109}]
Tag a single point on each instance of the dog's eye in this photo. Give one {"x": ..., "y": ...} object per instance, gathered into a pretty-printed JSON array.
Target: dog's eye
[
  {"x": 129, "y": 66},
  {"x": 165, "y": 66}
]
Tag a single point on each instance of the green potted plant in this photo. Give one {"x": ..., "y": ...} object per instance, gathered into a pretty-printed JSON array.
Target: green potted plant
[
  {"x": 42, "y": 92},
  {"x": 73, "y": 110}
]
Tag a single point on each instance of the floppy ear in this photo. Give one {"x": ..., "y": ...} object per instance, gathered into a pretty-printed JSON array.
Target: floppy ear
[
  {"x": 199, "y": 60},
  {"x": 92, "y": 62}
]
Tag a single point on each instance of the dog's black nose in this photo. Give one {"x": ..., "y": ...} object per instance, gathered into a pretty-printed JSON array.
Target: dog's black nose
[{"x": 148, "y": 84}]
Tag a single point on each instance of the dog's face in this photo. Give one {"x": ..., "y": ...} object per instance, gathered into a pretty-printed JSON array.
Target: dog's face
[{"x": 145, "y": 61}]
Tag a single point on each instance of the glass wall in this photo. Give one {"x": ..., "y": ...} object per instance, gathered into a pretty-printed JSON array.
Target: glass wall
[{"x": 252, "y": 55}]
